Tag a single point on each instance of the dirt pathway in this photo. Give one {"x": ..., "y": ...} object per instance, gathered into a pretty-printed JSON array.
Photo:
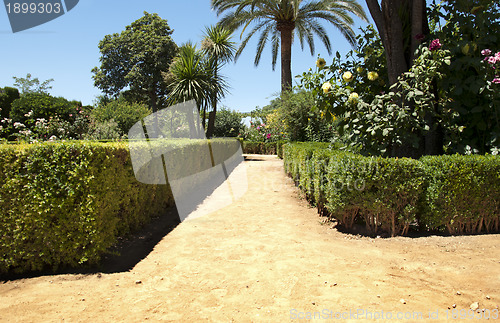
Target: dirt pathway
[{"x": 268, "y": 257}]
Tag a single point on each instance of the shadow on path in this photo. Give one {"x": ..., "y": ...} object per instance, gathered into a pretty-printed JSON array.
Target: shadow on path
[{"x": 122, "y": 257}]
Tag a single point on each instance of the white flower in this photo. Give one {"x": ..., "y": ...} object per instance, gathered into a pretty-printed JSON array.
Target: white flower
[
  {"x": 52, "y": 138},
  {"x": 327, "y": 86},
  {"x": 353, "y": 97},
  {"x": 347, "y": 76},
  {"x": 19, "y": 125}
]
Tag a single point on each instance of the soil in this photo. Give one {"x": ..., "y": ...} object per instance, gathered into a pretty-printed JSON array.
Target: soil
[{"x": 270, "y": 257}]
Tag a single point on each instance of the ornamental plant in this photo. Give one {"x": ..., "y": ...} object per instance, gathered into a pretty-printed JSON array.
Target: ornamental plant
[{"x": 470, "y": 30}]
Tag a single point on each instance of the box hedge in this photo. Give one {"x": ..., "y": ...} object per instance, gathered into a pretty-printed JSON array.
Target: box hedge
[
  {"x": 65, "y": 204},
  {"x": 454, "y": 193}
]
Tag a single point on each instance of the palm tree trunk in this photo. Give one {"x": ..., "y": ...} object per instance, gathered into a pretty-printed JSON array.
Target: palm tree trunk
[
  {"x": 286, "y": 29},
  {"x": 212, "y": 114}
]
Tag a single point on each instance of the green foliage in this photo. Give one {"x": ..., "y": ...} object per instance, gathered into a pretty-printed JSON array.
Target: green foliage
[
  {"x": 193, "y": 76},
  {"x": 282, "y": 22},
  {"x": 463, "y": 193},
  {"x": 66, "y": 204},
  {"x": 40, "y": 116},
  {"x": 32, "y": 85},
  {"x": 456, "y": 193},
  {"x": 121, "y": 111},
  {"x": 135, "y": 59},
  {"x": 104, "y": 130},
  {"x": 292, "y": 117},
  {"x": 228, "y": 123},
  {"x": 466, "y": 28},
  {"x": 301, "y": 120},
  {"x": 260, "y": 148},
  {"x": 42, "y": 105},
  {"x": 7, "y": 96}
]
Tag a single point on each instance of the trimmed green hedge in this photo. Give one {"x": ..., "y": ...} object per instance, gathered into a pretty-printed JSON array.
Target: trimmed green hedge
[
  {"x": 65, "y": 204},
  {"x": 455, "y": 193},
  {"x": 261, "y": 148},
  {"x": 463, "y": 194}
]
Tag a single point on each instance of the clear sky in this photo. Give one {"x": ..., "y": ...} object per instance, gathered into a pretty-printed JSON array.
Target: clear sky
[{"x": 65, "y": 49}]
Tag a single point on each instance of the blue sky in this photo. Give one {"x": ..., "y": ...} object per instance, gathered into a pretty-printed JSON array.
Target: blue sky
[{"x": 65, "y": 49}]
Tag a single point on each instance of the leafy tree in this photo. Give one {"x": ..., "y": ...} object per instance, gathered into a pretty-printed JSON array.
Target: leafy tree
[
  {"x": 120, "y": 111},
  {"x": 219, "y": 48},
  {"x": 135, "y": 59},
  {"x": 32, "y": 85},
  {"x": 279, "y": 19},
  {"x": 227, "y": 123},
  {"x": 7, "y": 96}
]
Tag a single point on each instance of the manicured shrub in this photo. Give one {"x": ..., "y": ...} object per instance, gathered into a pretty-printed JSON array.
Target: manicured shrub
[
  {"x": 463, "y": 194},
  {"x": 66, "y": 203},
  {"x": 458, "y": 193},
  {"x": 261, "y": 148},
  {"x": 384, "y": 192}
]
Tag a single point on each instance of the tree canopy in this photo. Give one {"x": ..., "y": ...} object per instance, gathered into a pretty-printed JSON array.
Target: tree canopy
[
  {"x": 279, "y": 20},
  {"x": 134, "y": 59}
]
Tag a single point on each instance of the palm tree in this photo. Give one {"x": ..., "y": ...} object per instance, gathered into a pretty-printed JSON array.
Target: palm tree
[
  {"x": 219, "y": 48},
  {"x": 191, "y": 77},
  {"x": 278, "y": 19}
]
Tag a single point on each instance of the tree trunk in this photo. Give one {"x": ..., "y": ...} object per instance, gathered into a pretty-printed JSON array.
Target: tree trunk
[
  {"x": 212, "y": 115},
  {"x": 398, "y": 48},
  {"x": 286, "y": 29}
]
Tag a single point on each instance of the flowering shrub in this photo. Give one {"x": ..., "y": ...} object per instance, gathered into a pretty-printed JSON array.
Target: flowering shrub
[
  {"x": 72, "y": 127},
  {"x": 471, "y": 33}
]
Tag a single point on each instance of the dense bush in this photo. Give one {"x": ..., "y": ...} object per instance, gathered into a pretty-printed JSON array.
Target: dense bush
[
  {"x": 7, "y": 96},
  {"x": 290, "y": 117},
  {"x": 261, "y": 148},
  {"x": 227, "y": 123},
  {"x": 65, "y": 204},
  {"x": 463, "y": 194},
  {"x": 454, "y": 193},
  {"x": 121, "y": 111},
  {"x": 42, "y": 105}
]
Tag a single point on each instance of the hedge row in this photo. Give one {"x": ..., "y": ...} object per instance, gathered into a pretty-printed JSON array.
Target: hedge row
[
  {"x": 65, "y": 204},
  {"x": 460, "y": 194}
]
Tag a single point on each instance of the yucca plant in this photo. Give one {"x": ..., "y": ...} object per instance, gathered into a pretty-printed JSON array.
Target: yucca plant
[
  {"x": 192, "y": 76},
  {"x": 219, "y": 48}
]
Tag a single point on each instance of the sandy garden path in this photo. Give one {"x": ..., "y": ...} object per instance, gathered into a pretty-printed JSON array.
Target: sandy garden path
[{"x": 269, "y": 257}]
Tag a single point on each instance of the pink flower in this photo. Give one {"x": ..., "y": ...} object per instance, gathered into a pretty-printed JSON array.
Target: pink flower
[
  {"x": 269, "y": 135},
  {"x": 496, "y": 80},
  {"x": 70, "y": 115},
  {"x": 435, "y": 44},
  {"x": 492, "y": 60},
  {"x": 486, "y": 52}
]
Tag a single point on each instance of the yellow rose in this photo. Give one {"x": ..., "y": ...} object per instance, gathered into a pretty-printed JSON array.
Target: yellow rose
[
  {"x": 320, "y": 63},
  {"x": 347, "y": 76},
  {"x": 372, "y": 76},
  {"x": 327, "y": 86},
  {"x": 353, "y": 97}
]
